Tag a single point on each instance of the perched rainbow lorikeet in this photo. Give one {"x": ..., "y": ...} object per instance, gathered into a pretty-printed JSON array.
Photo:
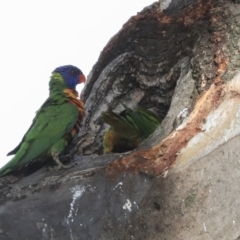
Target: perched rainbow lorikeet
[
  {"x": 55, "y": 123},
  {"x": 128, "y": 129}
]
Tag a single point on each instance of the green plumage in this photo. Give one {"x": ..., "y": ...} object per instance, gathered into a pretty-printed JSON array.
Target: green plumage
[
  {"x": 50, "y": 129},
  {"x": 128, "y": 129}
]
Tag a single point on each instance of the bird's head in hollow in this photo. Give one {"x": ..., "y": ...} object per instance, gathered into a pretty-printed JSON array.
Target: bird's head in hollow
[{"x": 69, "y": 75}]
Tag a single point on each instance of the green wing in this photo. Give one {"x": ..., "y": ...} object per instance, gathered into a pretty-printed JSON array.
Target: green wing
[
  {"x": 145, "y": 120},
  {"x": 121, "y": 124},
  {"x": 128, "y": 129},
  {"x": 52, "y": 122},
  {"x": 123, "y": 134}
]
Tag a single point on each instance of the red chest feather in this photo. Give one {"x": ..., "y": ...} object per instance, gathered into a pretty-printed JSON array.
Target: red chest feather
[{"x": 73, "y": 99}]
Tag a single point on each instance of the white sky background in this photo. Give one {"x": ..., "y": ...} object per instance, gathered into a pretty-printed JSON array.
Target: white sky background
[{"x": 38, "y": 36}]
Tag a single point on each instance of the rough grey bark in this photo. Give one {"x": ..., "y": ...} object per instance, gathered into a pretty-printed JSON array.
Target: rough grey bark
[
  {"x": 197, "y": 203},
  {"x": 141, "y": 64},
  {"x": 175, "y": 62}
]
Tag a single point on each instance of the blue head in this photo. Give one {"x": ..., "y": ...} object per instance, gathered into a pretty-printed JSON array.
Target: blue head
[{"x": 71, "y": 75}]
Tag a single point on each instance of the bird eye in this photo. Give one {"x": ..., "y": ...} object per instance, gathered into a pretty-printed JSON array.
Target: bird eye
[{"x": 74, "y": 72}]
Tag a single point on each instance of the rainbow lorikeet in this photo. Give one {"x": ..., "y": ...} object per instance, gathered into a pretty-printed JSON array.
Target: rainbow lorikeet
[
  {"x": 55, "y": 123},
  {"x": 128, "y": 129}
]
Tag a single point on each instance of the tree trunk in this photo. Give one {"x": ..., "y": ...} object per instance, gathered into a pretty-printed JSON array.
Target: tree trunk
[{"x": 183, "y": 181}]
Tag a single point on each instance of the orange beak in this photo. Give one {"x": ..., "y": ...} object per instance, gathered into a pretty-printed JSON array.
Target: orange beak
[{"x": 81, "y": 79}]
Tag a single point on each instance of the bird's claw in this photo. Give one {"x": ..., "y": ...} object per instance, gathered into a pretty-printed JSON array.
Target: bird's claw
[
  {"x": 66, "y": 166},
  {"x": 60, "y": 164}
]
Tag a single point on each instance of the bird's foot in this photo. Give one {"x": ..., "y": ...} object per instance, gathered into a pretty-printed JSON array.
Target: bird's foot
[
  {"x": 58, "y": 167},
  {"x": 60, "y": 164}
]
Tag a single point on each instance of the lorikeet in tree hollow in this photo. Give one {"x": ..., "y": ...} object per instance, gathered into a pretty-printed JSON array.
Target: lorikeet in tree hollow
[
  {"x": 55, "y": 123},
  {"x": 128, "y": 129}
]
